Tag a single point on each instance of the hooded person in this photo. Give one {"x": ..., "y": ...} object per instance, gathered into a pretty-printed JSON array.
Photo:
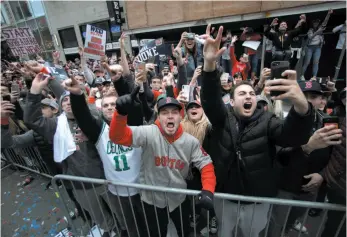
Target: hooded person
[
  {"x": 71, "y": 149},
  {"x": 167, "y": 153}
]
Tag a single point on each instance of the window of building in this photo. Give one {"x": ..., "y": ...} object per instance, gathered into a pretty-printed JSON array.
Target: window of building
[
  {"x": 5, "y": 20},
  {"x": 36, "y": 8},
  {"x": 105, "y": 25},
  {"x": 68, "y": 38},
  {"x": 16, "y": 10}
]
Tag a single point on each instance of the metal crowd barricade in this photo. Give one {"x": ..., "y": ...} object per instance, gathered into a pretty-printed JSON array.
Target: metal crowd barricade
[
  {"x": 95, "y": 184},
  {"x": 26, "y": 158}
]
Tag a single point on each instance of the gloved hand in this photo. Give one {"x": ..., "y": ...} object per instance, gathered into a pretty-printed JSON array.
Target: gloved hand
[
  {"x": 205, "y": 200},
  {"x": 125, "y": 103}
]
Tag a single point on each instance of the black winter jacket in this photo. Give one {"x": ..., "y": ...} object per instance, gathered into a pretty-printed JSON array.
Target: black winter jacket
[
  {"x": 297, "y": 164},
  {"x": 244, "y": 161}
]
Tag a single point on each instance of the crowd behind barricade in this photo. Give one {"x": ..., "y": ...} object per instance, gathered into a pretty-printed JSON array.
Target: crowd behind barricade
[{"x": 204, "y": 121}]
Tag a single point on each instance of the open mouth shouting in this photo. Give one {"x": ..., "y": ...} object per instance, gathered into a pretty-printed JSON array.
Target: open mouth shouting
[
  {"x": 170, "y": 128},
  {"x": 247, "y": 106}
]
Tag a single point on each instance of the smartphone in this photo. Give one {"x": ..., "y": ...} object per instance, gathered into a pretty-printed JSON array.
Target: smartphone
[
  {"x": 224, "y": 78},
  {"x": 7, "y": 97},
  {"x": 331, "y": 120},
  {"x": 15, "y": 87},
  {"x": 186, "y": 91},
  {"x": 277, "y": 68},
  {"x": 190, "y": 35}
]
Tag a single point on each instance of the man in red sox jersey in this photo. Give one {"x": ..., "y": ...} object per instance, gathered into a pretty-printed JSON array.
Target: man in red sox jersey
[{"x": 167, "y": 154}]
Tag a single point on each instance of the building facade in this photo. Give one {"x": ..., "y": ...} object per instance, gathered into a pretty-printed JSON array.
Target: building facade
[{"x": 29, "y": 14}]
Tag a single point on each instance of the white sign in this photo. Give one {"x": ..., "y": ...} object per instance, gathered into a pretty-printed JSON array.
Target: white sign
[
  {"x": 95, "y": 43},
  {"x": 251, "y": 44}
]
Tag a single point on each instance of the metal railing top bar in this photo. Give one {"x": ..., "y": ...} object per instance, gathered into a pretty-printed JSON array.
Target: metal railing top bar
[{"x": 232, "y": 197}]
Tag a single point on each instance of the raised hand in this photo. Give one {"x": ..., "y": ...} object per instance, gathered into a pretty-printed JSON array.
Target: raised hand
[
  {"x": 125, "y": 103},
  {"x": 81, "y": 51},
  {"x": 274, "y": 22},
  {"x": 39, "y": 82},
  {"x": 73, "y": 86},
  {"x": 121, "y": 40},
  {"x": 6, "y": 108},
  {"x": 234, "y": 39},
  {"x": 291, "y": 90},
  {"x": 212, "y": 50}
]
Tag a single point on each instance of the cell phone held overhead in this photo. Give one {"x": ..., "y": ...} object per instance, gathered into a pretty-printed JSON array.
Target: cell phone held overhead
[{"x": 277, "y": 68}]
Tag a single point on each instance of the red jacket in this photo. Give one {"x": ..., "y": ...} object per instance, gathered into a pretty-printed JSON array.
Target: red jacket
[{"x": 238, "y": 66}]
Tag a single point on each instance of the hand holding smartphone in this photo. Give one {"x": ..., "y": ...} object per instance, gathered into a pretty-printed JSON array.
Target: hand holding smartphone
[{"x": 277, "y": 68}]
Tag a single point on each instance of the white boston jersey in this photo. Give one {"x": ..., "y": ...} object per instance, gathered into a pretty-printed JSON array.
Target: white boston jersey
[{"x": 121, "y": 163}]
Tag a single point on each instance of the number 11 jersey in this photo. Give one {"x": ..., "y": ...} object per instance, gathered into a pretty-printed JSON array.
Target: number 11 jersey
[{"x": 121, "y": 163}]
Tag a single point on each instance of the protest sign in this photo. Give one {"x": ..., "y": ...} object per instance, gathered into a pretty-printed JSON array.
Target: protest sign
[
  {"x": 55, "y": 71},
  {"x": 21, "y": 41},
  {"x": 95, "y": 44}
]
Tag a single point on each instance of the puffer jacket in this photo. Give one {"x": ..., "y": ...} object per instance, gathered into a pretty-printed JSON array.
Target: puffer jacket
[{"x": 243, "y": 152}]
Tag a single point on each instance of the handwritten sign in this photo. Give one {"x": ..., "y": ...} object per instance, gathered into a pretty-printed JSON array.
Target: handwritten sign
[
  {"x": 94, "y": 46},
  {"x": 21, "y": 41}
]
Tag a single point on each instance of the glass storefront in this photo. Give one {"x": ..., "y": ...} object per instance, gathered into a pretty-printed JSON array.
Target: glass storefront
[{"x": 29, "y": 13}]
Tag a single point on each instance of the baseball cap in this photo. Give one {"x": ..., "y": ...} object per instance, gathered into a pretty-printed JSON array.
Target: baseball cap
[
  {"x": 50, "y": 103},
  {"x": 168, "y": 101},
  {"x": 161, "y": 96},
  {"x": 99, "y": 81},
  {"x": 193, "y": 102},
  {"x": 310, "y": 86},
  {"x": 107, "y": 81}
]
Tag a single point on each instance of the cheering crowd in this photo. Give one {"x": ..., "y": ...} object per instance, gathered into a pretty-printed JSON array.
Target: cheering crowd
[{"x": 197, "y": 123}]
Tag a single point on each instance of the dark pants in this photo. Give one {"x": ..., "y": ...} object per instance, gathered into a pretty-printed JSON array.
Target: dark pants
[
  {"x": 335, "y": 217},
  {"x": 78, "y": 206},
  {"x": 162, "y": 218},
  {"x": 281, "y": 55}
]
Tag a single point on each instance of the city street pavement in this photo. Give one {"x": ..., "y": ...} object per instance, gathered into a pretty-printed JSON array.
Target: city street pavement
[
  {"x": 29, "y": 210},
  {"x": 34, "y": 211}
]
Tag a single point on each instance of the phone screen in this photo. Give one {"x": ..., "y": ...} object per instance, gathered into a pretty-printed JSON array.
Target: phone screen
[{"x": 186, "y": 91}]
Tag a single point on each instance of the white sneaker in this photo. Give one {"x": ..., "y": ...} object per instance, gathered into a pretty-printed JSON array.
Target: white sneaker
[
  {"x": 302, "y": 78},
  {"x": 299, "y": 226},
  {"x": 213, "y": 225}
]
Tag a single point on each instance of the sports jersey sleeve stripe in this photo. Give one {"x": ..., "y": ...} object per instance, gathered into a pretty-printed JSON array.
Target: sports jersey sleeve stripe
[
  {"x": 120, "y": 133},
  {"x": 208, "y": 178}
]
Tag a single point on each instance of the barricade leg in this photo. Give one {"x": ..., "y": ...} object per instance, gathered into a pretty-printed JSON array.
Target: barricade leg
[
  {"x": 180, "y": 217},
  {"x": 88, "y": 200},
  {"x": 335, "y": 217},
  {"x": 154, "y": 214},
  {"x": 127, "y": 211}
]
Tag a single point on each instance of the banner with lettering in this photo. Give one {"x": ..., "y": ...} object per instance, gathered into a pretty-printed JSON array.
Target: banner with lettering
[
  {"x": 94, "y": 46},
  {"x": 153, "y": 49},
  {"x": 21, "y": 41}
]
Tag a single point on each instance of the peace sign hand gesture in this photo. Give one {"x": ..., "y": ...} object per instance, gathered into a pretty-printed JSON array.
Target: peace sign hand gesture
[{"x": 211, "y": 50}]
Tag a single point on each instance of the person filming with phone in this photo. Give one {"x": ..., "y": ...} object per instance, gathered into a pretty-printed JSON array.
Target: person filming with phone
[
  {"x": 244, "y": 139},
  {"x": 300, "y": 178}
]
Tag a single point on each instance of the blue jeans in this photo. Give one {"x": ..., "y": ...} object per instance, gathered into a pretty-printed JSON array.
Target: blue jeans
[
  {"x": 315, "y": 51},
  {"x": 253, "y": 59}
]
